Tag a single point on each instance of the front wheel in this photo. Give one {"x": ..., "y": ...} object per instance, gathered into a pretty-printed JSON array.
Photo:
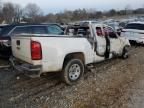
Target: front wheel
[
  {"x": 73, "y": 71},
  {"x": 125, "y": 53}
]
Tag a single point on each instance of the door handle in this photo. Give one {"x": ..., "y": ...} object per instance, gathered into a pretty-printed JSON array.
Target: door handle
[{"x": 18, "y": 42}]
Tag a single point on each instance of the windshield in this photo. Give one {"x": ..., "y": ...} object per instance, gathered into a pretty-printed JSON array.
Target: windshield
[{"x": 135, "y": 26}]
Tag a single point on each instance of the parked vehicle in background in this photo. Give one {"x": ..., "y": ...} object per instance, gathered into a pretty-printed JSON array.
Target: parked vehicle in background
[
  {"x": 69, "y": 54},
  {"x": 7, "y": 31},
  {"x": 5, "y": 50},
  {"x": 134, "y": 32}
]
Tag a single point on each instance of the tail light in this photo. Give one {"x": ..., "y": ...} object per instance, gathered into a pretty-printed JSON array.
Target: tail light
[{"x": 36, "y": 51}]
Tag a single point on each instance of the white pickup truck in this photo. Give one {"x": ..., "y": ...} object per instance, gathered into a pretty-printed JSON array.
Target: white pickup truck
[{"x": 85, "y": 44}]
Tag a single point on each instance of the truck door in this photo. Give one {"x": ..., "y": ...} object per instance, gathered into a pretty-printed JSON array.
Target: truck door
[
  {"x": 115, "y": 43},
  {"x": 100, "y": 47}
]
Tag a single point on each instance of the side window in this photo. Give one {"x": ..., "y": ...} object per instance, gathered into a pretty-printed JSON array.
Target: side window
[
  {"x": 111, "y": 33},
  {"x": 99, "y": 31},
  {"x": 131, "y": 26},
  {"x": 54, "y": 29},
  {"x": 20, "y": 30},
  {"x": 140, "y": 26},
  {"x": 39, "y": 30},
  {"x": 0, "y": 29}
]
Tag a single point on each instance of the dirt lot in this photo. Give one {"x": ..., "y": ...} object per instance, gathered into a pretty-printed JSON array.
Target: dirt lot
[{"x": 114, "y": 83}]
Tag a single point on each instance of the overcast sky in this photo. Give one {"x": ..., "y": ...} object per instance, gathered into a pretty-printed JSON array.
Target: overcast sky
[{"x": 59, "y": 5}]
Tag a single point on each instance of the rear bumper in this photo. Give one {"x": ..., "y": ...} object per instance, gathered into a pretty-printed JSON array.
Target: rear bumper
[{"x": 26, "y": 68}]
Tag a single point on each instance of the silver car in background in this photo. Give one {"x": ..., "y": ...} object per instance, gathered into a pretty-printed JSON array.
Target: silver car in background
[{"x": 134, "y": 31}]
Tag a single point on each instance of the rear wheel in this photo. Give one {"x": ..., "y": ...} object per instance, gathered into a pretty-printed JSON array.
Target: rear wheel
[{"x": 73, "y": 71}]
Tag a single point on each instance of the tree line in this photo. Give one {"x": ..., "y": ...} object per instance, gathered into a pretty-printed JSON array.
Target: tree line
[{"x": 32, "y": 13}]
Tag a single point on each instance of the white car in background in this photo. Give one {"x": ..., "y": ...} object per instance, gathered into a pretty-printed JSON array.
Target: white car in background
[{"x": 134, "y": 31}]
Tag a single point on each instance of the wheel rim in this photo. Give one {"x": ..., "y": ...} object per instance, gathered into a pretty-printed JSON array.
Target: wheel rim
[{"x": 74, "y": 72}]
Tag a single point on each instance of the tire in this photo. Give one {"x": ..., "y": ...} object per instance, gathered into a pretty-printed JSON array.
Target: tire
[
  {"x": 125, "y": 54},
  {"x": 73, "y": 71}
]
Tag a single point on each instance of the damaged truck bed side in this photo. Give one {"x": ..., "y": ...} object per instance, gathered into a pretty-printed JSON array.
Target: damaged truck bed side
[{"x": 35, "y": 54}]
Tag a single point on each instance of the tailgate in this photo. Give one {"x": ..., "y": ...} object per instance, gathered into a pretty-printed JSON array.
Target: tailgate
[{"x": 21, "y": 48}]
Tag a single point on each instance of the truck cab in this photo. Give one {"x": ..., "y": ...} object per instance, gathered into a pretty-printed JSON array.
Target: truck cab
[{"x": 103, "y": 39}]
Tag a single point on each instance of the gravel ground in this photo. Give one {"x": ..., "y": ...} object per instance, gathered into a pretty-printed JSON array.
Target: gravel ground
[{"x": 114, "y": 83}]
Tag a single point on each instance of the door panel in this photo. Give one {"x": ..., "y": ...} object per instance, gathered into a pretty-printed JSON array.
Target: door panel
[
  {"x": 100, "y": 41},
  {"x": 101, "y": 45},
  {"x": 115, "y": 43}
]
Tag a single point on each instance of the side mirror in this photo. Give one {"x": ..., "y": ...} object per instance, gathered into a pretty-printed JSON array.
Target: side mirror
[{"x": 119, "y": 33}]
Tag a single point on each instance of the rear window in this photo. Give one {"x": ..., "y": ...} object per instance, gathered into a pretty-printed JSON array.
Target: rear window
[
  {"x": 39, "y": 30},
  {"x": 19, "y": 30},
  {"x": 78, "y": 31},
  {"x": 135, "y": 26}
]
